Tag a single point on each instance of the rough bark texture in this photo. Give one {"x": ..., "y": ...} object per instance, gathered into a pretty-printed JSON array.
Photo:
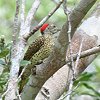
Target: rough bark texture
[
  {"x": 15, "y": 63},
  {"x": 55, "y": 85},
  {"x": 88, "y": 43}
]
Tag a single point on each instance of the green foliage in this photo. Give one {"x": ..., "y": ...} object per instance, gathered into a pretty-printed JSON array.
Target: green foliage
[
  {"x": 97, "y": 94},
  {"x": 4, "y": 52},
  {"x": 86, "y": 86},
  {"x": 84, "y": 77},
  {"x": 3, "y": 81},
  {"x": 24, "y": 63},
  {"x": 97, "y": 63},
  {"x": 4, "y": 63}
]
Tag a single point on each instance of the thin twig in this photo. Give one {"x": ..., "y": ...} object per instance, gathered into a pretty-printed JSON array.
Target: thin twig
[
  {"x": 65, "y": 7},
  {"x": 50, "y": 14},
  {"x": 19, "y": 77},
  {"x": 68, "y": 97},
  {"x": 78, "y": 56},
  {"x": 69, "y": 32},
  {"x": 74, "y": 72},
  {"x": 18, "y": 95},
  {"x": 71, "y": 65},
  {"x": 36, "y": 28},
  {"x": 5, "y": 93},
  {"x": 86, "y": 53},
  {"x": 67, "y": 13},
  {"x": 70, "y": 91}
]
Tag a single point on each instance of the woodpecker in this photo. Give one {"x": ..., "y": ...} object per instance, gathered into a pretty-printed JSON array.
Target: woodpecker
[
  {"x": 35, "y": 46},
  {"x": 39, "y": 50}
]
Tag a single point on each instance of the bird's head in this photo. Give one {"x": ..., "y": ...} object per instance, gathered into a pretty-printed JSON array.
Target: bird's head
[
  {"x": 46, "y": 28},
  {"x": 43, "y": 28}
]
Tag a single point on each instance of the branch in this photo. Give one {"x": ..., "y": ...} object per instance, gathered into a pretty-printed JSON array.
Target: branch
[
  {"x": 73, "y": 90},
  {"x": 70, "y": 88},
  {"x": 71, "y": 65},
  {"x": 30, "y": 16},
  {"x": 86, "y": 53},
  {"x": 12, "y": 88},
  {"x": 15, "y": 31},
  {"x": 43, "y": 20},
  {"x": 22, "y": 15},
  {"x": 79, "y": 13}
]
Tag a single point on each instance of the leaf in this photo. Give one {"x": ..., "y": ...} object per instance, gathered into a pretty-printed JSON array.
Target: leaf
[
  {"x": 2, "y": 62},
  {"x": 4, "y": 53},
  {"x": 91, "y": 88},
  {"x": 3, "y": 80},
  {"x": 84, "y": 77},
  {"x": 87, "y": 93},
  {"x": 24, "y": 63}
]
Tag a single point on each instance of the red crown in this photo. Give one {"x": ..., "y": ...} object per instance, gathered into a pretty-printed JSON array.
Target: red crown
[{"x": 44, "y": 26}]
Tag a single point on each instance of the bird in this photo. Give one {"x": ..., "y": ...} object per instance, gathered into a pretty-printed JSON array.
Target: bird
[{"x": 39, "y": 50}]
